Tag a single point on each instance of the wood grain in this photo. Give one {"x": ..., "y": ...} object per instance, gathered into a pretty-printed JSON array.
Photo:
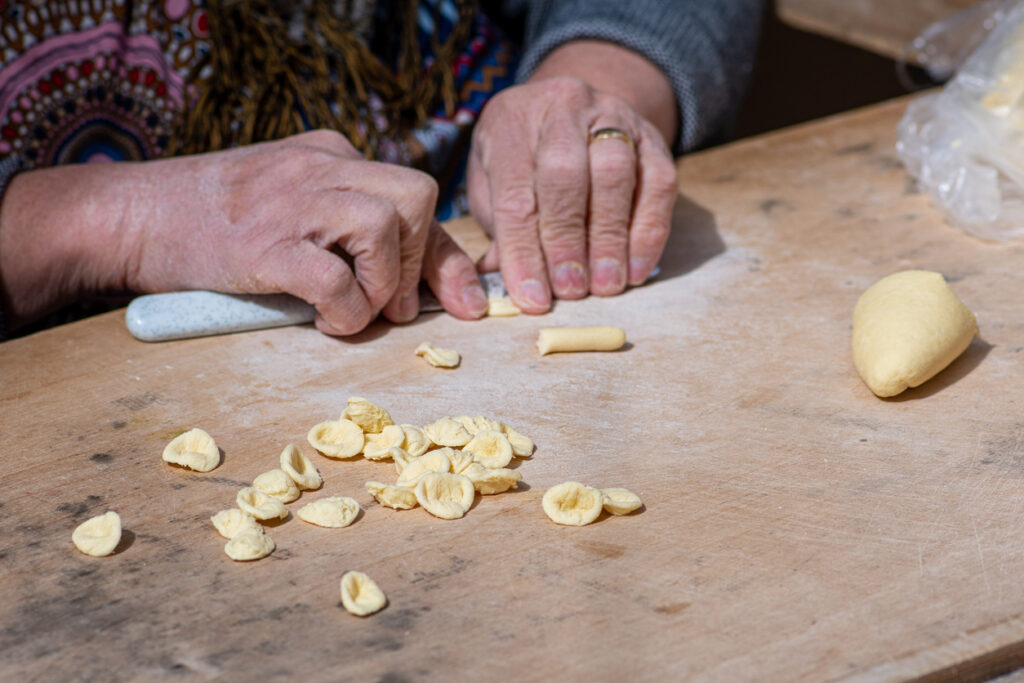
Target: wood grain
[
  {"x": 796, "y": 527},
  {"x": 876, "y": 25}
]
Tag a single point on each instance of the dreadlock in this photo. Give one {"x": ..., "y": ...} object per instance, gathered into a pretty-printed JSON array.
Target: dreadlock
[{"x": 259, "y": 83}]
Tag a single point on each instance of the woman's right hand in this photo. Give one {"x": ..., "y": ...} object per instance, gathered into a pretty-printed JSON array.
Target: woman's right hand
[{"x": 307, "y": 215}]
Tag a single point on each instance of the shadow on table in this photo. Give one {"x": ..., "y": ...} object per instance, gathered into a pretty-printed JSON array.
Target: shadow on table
[
  {"x": 694, "y": 239},
  {"x": 957, "y": 370}
]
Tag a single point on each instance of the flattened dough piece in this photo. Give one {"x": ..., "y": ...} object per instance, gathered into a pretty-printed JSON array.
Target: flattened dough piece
[
  {"x": 490, "y": 448},
  {"x": 277, "y": 483},
  {"x": 230, "y": 522},
  {"x": 447, "y": 432},
  {"x": 572, "y": 503},
  {"x": 368, "y": 415},
  {"x": 361, "y": 595},
  {"x": 501, "y": 307},
  {"x": 260, "y": 505},
  {"x": 337, "y": 438},
  {"x": 302, "y": 471},
  {"x": 195, "y": 449},
  {"x": 907, "y": 327},
  {"x": 446, "y": 496},
  {"x": 397, "y": 497},
  {"x": 249, "y": 544},
  {"x": 378, "y": 446},
  {"x": 98, "y": 536},
  {"x": 438, "y": 357},
  {"x": 333, "y": 512},
  {"x": 619, "y": 501}
]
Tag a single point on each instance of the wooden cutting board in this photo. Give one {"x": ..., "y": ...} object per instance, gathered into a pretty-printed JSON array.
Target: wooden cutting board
[{"x": 796, "y": 527}]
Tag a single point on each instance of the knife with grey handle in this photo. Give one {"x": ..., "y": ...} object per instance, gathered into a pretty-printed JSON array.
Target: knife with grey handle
[{"x": 183, "y": 315}]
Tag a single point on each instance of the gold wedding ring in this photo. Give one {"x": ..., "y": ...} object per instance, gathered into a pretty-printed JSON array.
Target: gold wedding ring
[{"x": 612, "y": 133}]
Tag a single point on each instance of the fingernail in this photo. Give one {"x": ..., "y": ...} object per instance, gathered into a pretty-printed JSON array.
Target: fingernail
[
  {"x": 533, "y": 292},
  {"x": 570, "y": 279},
  {"x": 608, "y": 274},
  {"x": 474, "y": 299},
  {"x": 638, "y": 270},
  {"x": 409, "y": 305}
]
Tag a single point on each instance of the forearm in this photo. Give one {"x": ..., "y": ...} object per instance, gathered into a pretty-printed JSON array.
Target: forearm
[
  {"x": 61, "y": 235},
  {"x": 619, "y": 71}
]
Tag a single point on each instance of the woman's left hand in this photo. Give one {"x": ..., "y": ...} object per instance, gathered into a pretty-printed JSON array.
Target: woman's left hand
[{"x": 571, "y": 213}]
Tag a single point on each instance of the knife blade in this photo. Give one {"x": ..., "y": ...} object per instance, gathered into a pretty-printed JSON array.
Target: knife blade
[{"x": 201, "y": 313}]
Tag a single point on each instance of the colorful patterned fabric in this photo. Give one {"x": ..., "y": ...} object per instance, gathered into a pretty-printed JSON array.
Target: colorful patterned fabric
[{"x": 85, "y": 81}]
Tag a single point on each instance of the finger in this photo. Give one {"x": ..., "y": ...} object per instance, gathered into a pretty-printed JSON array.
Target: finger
[
  {"x": 414, "y": 196},
  {"x": 514, "y": 214},
  {"x": 452, "y": 276},
  {"x": 489, "y": 261},
  {"x": 562, "y": 187},
  {"x": 367, "y": 228},
  {"x": 323, "y": 279},
  {"x": 613, "y": 169},
  {"x": 657, "y": 189}
]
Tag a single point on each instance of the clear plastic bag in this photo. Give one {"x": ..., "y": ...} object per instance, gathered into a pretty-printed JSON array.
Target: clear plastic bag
[{"x": 965, "y": 144}]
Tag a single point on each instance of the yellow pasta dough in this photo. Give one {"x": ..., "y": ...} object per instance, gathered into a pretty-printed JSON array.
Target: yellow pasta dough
[
  {"x": 378, "y": 445},
  {"x": 229, "y": 523},
  {"x": 195, "y": 449},
  {"x": 447, "y": 432},
  {"x": 572, "y": 503},
  {"x": 586, "y": 338},
  {"x": 333, "y": 512},
  {"x": 369, "y": 416},
  {"x": 337, "y": 438},
  {"x": 619, "y": 501},
  {"x": 445, "y": 495},
  {"x": 249, "y": 544},
  {"x": 302, "y": 471},
  {"x": 361, "y": 595},
  {"x": 907, "y": 327},
  {"x": 260, "y": 505},
  {"x": 397, "y": 497},
  {"x": 98, "y": 536},
  {"x": 490, "y": 448},
  {"x": 438, "y": 357},
  {"x": 277, "y": 483}
]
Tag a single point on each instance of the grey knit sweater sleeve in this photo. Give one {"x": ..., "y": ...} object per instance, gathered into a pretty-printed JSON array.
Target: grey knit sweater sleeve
[{"x": 705, "y": 47}]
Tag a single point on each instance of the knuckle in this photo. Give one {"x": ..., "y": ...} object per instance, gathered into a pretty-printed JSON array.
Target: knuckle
[
  {"x": 614, "y": 167},
  {"x": 517, "y": 203}
]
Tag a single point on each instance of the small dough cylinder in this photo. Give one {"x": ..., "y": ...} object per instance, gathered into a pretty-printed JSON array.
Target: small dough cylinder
[{"x": 594, "y": 338}]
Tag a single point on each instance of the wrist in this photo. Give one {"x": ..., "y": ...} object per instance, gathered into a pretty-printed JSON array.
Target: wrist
[{"x": 61, "y": 236}]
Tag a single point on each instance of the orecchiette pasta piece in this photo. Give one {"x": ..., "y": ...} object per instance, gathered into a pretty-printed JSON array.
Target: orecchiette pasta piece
[
  {"x": 488, "y": 481},
  {"x": 479, "y": 423},
  {"x": 337, "y": 438},
  {"x": 260, "y": 505},
  {"x": 445, "y": 495},
  {"x": 378, "y": 445},
  {"x": 371, "y": 417},
  {"x": 400, "y": 457},
  {"x": 438, "y": 357},
  {"x": 360, "y": 595},
  {"x": 277, "y": 483},
  {"x": 434, "y": 461},
  {"x": 98, "y": 536},
  {"x": 572, "y": 503},
  {"x": 334, "y": 512},
  {"x": 230, "y": 522},
  {"x": 490, "y": 449},
  {"x": 249, "y": 544},
  {"x": 302, "y": 471},
  {"x": 447, "y": 432},
  {"x": 416, "y": 442},
  {"x": 522, "y": 445},
  {"x": 459, "y": 460},
  {"x": 195, "y": 449},
  {"x": 397, "y": 497},
  {"x": 619, "y": 501}
]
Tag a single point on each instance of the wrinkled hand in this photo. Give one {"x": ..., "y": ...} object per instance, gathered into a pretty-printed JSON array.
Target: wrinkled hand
[
  {"x": 307, "y": 215},
  {"x": 569, "y": 216}
]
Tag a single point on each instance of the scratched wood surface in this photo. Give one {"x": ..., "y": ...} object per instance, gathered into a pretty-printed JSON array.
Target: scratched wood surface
[
  {"x": 795, "y": 528},
  {"x": 881, "y": 26}
]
